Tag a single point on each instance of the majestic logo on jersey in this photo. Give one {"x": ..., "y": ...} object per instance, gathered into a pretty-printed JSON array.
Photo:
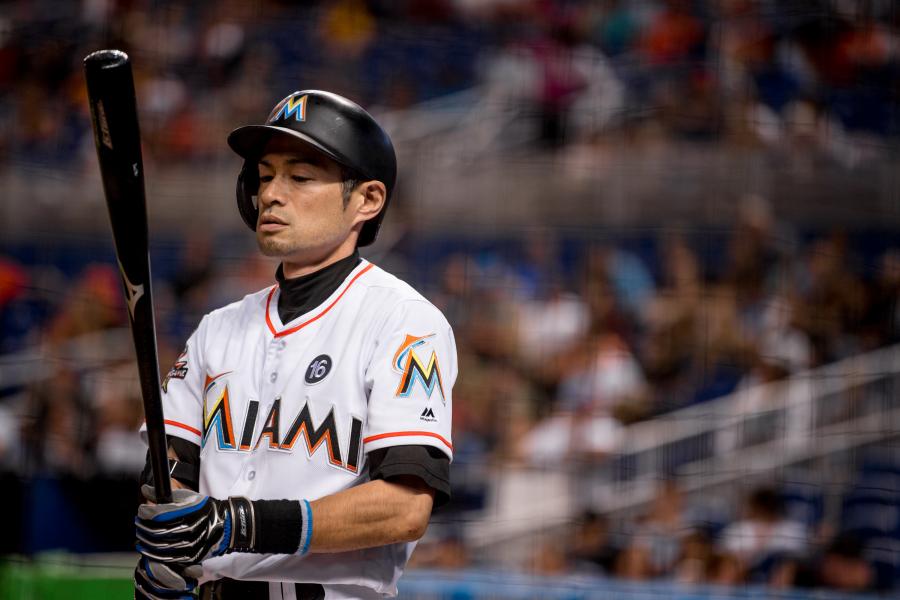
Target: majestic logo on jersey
[
  {"x": 293, "y": 106},
  {"x": 412, "y": 369},
  {"x": 428, "y": 415},
  {"x": 318, "y": 369},
  {"x": 217, "y": 411},
  {"x": 178, "y": 371}
]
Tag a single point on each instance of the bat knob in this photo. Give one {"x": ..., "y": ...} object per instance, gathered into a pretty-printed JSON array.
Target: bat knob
[{"x": 105, "y": 59}]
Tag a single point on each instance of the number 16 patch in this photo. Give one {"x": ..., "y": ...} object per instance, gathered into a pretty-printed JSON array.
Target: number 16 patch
[{"x": 412, "y": 369}]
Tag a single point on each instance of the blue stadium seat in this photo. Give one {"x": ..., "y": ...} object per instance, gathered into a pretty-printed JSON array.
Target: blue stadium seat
[
  {"x": 804, "y": 502},
  {"x": 871, "y": 514}
]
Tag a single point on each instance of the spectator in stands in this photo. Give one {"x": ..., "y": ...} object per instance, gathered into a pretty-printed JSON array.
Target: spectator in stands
[
  {"x": 93, "y": 304},
  {"x": 673, "y": 34},
  {"x": 614, "y": 27},
  {"x": 700, "y": 562},
  {"x": 550, "y": 558},
  {"x": 192, "y": 285},
  {"x": 782, "y": 348},
  {"x": 763, "y": 538},
  {"x": 881, "y": 321},
  {"x": 723, "y": 345},
  {"x": 725, "y": 569},
  {"x": 832, "y": 299},
  {"x": 115, "y": 399},
  {"x": 600, "y": 387},
  {"x": 617, "y": 288},
  {"x": 671, "y": 322},
  {"x": 58, "y": 428},
  {"x": 752, "y": 251},
  {"x": 550, "y": 325},
  {"x": 16, "y": 317},
  {"x": 656, "y": 542},
  {"x": 454, "y": 293},
  {"x": 559, "y": 82},
  {"x": 591, "y": 550},
  {"x": 446, "y": 551},
  {"x": 842, "y": 566},
  {"x": 347, "y": 29}
]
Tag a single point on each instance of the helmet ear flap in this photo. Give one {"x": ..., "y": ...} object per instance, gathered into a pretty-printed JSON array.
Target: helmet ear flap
[{"x": 246, "y": 191}]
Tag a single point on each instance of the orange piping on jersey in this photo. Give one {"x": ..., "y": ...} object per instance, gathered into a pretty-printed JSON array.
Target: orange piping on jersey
[
  {"x": 315, "y": 318},
  {"x": 381, "y": 436},
  {"x": 183, "y": 426}
]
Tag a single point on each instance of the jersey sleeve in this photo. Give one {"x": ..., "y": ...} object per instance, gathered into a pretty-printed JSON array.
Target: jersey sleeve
[
  {"x": 182, "y": 393},
  {"x": 410, "y": 380},
  {"x": 425, "y": 462}
]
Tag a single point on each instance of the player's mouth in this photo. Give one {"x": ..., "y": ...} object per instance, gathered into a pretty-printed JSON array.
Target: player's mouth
[{"x": 271, "y": 223}]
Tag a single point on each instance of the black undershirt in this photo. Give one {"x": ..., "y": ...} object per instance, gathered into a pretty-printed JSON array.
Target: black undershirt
[{"x": 300, "y": 295}]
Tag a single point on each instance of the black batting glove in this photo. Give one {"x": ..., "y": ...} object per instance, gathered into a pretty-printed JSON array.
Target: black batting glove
[
  {"x": 156, "y": 581},
  {"x": 192, "y": 527}
]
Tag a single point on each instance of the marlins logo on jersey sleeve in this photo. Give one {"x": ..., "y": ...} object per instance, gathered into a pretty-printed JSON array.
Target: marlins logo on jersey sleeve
[{"x": 411, "y": 379}]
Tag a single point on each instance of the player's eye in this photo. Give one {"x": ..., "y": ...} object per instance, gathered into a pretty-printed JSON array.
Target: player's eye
[
  {"x": 265, "y": 178},
  {"x": 300, "y": 178}
]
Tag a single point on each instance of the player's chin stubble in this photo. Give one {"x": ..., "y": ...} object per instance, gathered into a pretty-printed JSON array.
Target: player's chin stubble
[
  {"x": 271, "y": 246},
  {"x": 278, "y": 245}
]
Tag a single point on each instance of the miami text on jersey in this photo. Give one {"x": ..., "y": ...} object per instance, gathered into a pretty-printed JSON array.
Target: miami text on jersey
[{"x": 218, "y": 418}]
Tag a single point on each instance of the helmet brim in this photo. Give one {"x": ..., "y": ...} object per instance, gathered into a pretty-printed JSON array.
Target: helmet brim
[{"x": 249, "y": 142}]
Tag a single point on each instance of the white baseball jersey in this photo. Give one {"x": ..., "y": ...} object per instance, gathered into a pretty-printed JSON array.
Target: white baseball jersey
[{"x": 290, "y": 410}]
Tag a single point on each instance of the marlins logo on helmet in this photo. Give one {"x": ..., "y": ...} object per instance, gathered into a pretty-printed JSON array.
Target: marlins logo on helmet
[{"x": 292, "y": 106}]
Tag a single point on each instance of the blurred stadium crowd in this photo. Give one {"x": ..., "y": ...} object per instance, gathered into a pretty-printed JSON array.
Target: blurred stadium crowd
[
  {"x": 564, "y": 339},
  {"x": 562, "y": 343},
  {"x": 761, "y": 544},
  {"x": 811, "y": 74}
]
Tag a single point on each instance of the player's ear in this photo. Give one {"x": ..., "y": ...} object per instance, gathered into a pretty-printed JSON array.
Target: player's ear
[{"x": 373, "y": 194}]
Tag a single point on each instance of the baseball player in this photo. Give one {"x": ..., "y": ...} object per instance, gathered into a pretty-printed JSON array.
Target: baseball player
[{"x": 309, "y": 422}]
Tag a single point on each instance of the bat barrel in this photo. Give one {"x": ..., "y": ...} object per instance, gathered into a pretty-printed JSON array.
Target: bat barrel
[{"x": 110, "y": 86}]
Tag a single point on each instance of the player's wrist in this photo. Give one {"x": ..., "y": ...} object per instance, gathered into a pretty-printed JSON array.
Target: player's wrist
[
  {"x": 269, "y": 526},
  {"x": 241, "y": 525}
]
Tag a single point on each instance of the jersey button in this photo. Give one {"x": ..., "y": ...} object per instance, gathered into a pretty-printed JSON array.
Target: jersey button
[
  {"x": 273, "y": 377},
  {"x": 251, "y": 475}
]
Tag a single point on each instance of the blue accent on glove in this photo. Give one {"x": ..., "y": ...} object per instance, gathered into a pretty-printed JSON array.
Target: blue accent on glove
[
  {"x": 174, "y": 514},
  {"x": 146, "y": 581},
  {"x": 226, "y": 536}
]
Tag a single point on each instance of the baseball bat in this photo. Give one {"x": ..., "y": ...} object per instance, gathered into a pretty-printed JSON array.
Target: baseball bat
[{"x": 110, "y": 87}]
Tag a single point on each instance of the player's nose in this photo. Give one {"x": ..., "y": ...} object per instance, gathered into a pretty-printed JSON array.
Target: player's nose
[{"x": 272, "y": 192}]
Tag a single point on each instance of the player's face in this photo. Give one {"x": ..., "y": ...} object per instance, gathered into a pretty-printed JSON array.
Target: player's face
[{"x": 302, "y": 216}]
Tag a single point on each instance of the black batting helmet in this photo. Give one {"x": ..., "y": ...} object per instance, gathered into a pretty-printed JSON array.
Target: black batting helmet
[{"x": 336, "y": 127}]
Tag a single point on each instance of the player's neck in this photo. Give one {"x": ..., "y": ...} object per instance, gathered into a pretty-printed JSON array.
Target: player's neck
[
  {"x": 291, "y": 267},
  {"x": 300, "y": 295}
]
